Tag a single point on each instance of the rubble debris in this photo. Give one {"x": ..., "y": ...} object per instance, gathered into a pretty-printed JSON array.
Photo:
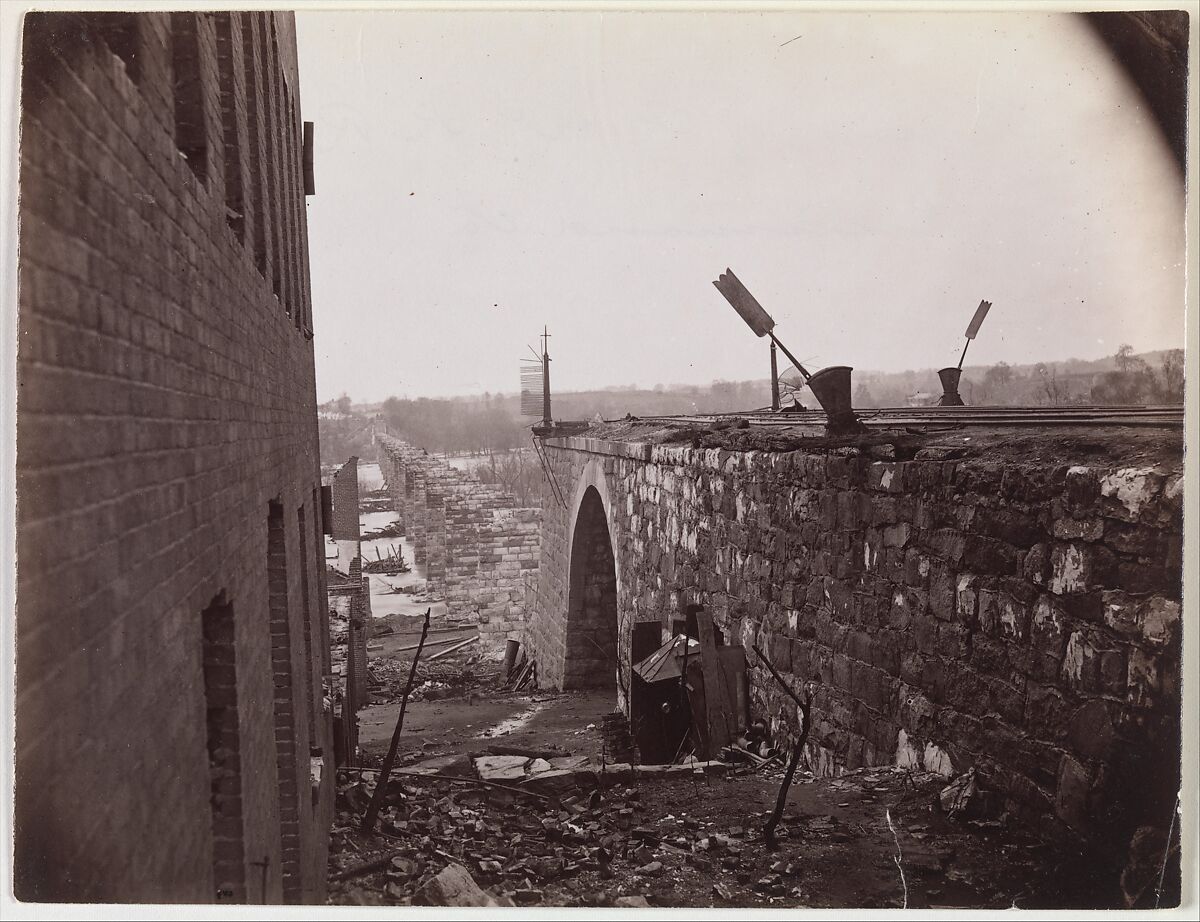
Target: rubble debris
[
  {"x": 618, "y": 743},
  {"x": 631, "y": 902},
  {"x": 390, "y": 760},
  {"x": 960, "y": 796},
  {"x": 391, "y": 565},
  {"x": 435, "y": 643},
  {"x": 470, "y": 640},
  {"x": 393, "y": 530},
  {"x": 433, "y": 681},
  {"x": 805, "y": 706},
  {"x": 666, "y": 840},
  {"x": 453, "y": 886}
]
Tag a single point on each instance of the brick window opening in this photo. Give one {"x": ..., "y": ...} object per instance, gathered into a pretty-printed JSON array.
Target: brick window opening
[
  {"x": 189, "y": 96},
  {"x": 294, "y": 197},
  {"x": 227, "y": 54},
  {"x": 320, "y": 523},
  {"x": 119, "y": 31},
  {"x": 224, "y": 750},
  {"x": 285, "y": 717},
  {"x": 302, "y": 530},
  {"x": 275, "y": 181},
  {"x": 251, "y": 55}
]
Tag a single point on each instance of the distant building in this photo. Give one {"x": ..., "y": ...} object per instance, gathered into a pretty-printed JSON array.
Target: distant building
[{"x": 172, "y": 741}]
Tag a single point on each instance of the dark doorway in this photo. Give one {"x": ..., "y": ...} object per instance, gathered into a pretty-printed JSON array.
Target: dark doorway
[
  {"x": 591, "y": 660},
  {"x": 219, "y": 660}
]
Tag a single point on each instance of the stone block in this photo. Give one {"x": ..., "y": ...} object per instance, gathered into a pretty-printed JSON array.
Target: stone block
[
  {"x": 501, "y": 768},
  {"x": 1091, "y": 732},
  {"x": 453, "y": 886},
  {"x": 1071, "y": 797},
  {"x": 943, "y": 592},
  {"x": 1066, "y": 528},
  {"x": 1144, "y": 680},
  {"x": 1160, "y": 621},
  {"x": 1129, "y": 491}
]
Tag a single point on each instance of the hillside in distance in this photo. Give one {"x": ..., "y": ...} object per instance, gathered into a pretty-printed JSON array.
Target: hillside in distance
[{"x": 493, "y": 422}]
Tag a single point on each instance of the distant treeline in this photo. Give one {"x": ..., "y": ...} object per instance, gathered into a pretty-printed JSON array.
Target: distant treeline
[
  {"x": 1123, "y": 378},
  {"x": 492, "y": 422}
]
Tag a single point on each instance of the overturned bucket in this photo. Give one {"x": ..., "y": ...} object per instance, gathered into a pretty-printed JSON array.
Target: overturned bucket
[
  {"x": 950, "y": 396},
  {"x": 831, "y": 387}
]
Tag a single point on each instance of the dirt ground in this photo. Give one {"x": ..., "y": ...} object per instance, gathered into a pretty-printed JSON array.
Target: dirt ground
[
  {"x": 876, "y": 838},
  {"x": 470, "y": 723}
]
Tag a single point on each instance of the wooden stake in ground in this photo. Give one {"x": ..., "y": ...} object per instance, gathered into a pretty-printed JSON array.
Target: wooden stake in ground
[
  {"x": 368, "y": 823},
  {"x": 805, "y": 723}
]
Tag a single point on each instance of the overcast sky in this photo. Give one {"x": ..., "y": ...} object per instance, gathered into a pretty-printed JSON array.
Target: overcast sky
[{"x": 869, "y": 177}]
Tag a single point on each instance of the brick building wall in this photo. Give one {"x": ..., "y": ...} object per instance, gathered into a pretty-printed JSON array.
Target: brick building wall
[
  {"x": 168, "y": 528},
  {"x": 1018, "y": 616}
]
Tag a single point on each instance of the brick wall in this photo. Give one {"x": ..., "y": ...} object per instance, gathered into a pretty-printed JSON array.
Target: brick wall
[
  {"x": 345, "y": 502},
  {"x": 1021, "y": 617},
  {"x": 165, "y": 397}
]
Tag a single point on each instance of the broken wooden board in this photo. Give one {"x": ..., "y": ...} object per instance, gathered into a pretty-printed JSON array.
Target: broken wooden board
[{"x": 720, "y": 719}]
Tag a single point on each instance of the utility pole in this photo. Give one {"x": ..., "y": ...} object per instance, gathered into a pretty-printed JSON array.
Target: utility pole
[{"x": 547, "y": 420}]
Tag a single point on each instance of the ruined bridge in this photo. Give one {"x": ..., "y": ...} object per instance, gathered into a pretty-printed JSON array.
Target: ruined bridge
[
  {"x": 1002, "y": 599},
  {"x": 477, "y": 546}
]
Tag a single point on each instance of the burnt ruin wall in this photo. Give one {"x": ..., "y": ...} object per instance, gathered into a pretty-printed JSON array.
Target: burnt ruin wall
[{"x": 1021, "y": 618}]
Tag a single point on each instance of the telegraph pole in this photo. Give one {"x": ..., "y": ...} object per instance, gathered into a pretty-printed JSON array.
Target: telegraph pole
[{"x": 546, "y": 418}]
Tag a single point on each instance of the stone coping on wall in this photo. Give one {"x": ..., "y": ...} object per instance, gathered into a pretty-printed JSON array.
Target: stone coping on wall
[{"x": 728, "y": 449}]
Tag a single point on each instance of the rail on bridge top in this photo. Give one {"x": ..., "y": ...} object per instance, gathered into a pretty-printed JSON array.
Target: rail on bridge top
[{"x": 1165, "y": 416}]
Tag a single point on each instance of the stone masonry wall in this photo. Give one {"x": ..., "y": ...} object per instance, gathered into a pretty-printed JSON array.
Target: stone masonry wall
[
  {"x": 1021, "y": 618},
  {"x": 165, "y": 404},
  {"x": 476, "y": 545}
]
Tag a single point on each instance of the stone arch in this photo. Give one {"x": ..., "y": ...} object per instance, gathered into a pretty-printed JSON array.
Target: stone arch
[{"x": 592, "y": 623}]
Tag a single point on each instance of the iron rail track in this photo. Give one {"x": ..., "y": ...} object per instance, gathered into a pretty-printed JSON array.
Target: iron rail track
[{"x": 1151, "y": 416}]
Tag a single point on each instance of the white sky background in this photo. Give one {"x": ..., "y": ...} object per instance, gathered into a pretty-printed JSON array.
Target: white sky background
[{"x": 482, "y": 173}]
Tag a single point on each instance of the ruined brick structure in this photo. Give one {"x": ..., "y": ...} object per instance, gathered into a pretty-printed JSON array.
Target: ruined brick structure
[
  {"x": 1015, "y": 613},
  {"x": 477, "y": 546},
  {"x": 349, "y": 581},
  {"x": 172, "y": 742}
]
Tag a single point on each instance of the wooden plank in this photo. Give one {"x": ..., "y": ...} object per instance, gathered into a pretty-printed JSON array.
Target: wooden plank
[
  {"x": 450, "y": 650},
  {"x": 722, "y": 725}
]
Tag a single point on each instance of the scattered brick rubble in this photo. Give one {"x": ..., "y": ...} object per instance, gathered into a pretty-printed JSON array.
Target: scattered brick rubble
[{"x": 560, "y": 830}]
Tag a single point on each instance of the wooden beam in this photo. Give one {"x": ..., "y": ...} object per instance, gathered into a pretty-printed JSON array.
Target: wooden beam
[{"x": 722, "y": 724}]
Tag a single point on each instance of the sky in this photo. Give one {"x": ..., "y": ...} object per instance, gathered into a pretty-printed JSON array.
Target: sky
[{"x": 869, "y": 177}]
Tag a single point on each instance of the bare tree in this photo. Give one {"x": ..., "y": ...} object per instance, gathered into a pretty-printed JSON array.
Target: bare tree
[
  {"x": 1171, "y": 388},
  {"x": 1124, "y": 357}
]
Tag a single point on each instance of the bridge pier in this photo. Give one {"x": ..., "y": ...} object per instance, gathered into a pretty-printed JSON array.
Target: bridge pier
[{"x": 477, "y": 547}]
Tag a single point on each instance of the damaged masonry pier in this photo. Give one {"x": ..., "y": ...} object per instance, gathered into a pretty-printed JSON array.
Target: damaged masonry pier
[{"x": 477, "y": 545}]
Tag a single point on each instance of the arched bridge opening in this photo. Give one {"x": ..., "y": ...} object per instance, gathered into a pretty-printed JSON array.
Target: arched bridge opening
[{"x": 591, "y": 635}]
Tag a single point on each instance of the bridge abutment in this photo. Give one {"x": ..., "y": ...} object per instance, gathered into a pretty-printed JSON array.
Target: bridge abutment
[{"x": 964, "y": 608}]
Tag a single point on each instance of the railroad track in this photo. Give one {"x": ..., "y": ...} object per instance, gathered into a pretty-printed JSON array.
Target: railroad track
[{"x": 936, "y": 417}]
